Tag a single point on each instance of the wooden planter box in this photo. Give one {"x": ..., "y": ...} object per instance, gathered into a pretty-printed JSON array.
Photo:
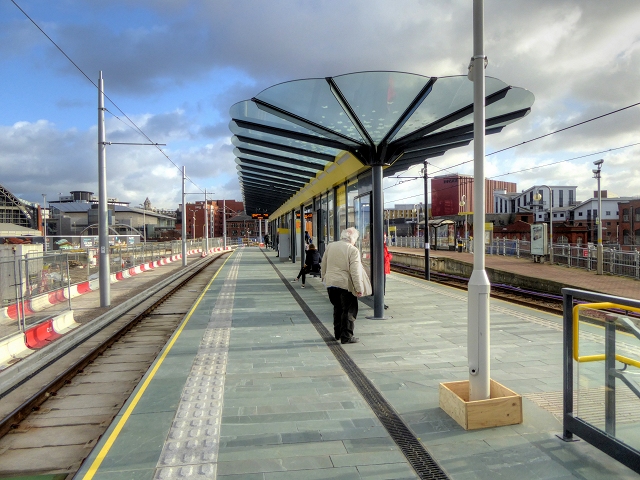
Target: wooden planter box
[{"x": 503, "y": 408}]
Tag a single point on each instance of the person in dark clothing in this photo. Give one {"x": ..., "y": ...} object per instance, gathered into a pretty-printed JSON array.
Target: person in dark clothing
[{"x": 312, "y": 261}]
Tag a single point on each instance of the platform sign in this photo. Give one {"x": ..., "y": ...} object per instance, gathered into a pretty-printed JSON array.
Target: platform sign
[{"x": 539, "y": 239}]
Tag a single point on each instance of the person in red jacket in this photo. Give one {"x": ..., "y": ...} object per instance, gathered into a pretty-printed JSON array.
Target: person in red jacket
[{"x": 387, "y": 265}]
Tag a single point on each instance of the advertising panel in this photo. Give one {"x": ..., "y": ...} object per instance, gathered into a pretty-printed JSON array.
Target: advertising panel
[{"x": 539, "y": 239}]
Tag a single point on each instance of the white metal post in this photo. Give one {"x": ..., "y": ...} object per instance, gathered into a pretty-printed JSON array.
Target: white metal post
[
  {"x": 206, "y": 224},
  {"x": 224, "y": 223},
  {"x": 478, "y": 343},
  {"x": 103, "y": 214},
  {"x": 184, "y": 218},
  {"x": 599, "y": 251},
  {"x": 44, "y": 218}
]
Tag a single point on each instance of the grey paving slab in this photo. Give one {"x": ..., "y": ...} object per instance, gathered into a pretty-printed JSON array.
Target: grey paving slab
[{"x": 290, "y": 411}]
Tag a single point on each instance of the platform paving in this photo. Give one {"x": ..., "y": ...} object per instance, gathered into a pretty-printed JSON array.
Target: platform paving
[{"x": 289, "y": 411}]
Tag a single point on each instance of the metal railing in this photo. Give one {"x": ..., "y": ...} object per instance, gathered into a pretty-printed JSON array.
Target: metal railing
[
  {"x": 600, "y": 405},
  {"x": 36, "y": 287}
]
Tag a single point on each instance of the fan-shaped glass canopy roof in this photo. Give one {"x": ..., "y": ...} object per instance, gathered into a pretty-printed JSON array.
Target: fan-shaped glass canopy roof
[{"x": 290, "y": 132}]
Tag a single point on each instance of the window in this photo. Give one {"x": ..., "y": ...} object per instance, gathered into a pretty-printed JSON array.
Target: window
[
  {"x": 570, "y": 197},
  {"x": 579, "y": 214},
  {"x": 637, "y": 216},
  {"x": 560, "y": 198}
]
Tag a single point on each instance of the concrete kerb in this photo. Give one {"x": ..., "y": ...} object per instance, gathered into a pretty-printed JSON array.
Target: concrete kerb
[{"x": 40, "y": 359}]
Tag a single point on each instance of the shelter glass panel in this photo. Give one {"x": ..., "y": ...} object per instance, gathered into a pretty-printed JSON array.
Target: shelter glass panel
[
  {"x": 352, "y": 193},
  {"x": 362, "y": 208},
  {"x": 341, "y": 208},
  {"x": 330, "y": 215},
  {"x": 379, "y": 98},
  {"x": 314, "y": 101}
]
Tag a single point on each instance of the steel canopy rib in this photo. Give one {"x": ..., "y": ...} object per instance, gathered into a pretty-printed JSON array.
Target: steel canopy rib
[
  {"x": 282, "y": 132},
  {"x": 267, "y": 166},
  {"x": 274, "y": 157},
  {"x": 279, "y": 176},
  {"x": 255, "y": 184},
  {"x": 272, "y": 178},
  {"x": 305, "y": 123},
  {"x": 302, "y": 176},
  {"x": 452, "y": 117},
  {"x": 289, "y": 162},
  {"x": 344, "y": 104},
  {"x": 413, "y": 106},
  {"x": 285, "y": 148}
]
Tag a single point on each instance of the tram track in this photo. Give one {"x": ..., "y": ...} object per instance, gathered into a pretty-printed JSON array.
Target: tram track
[{"x": 52, "y": 430}]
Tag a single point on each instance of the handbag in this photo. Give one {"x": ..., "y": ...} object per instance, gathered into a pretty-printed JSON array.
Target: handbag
[{"x": 368, "y": 290}]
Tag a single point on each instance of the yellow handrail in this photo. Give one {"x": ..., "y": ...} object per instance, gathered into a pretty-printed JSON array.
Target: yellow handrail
[{"x": 576, "y": 331}]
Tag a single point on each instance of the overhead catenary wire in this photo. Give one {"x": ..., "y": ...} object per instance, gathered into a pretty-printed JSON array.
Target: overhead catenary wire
[{"x": 135, "y": 126}]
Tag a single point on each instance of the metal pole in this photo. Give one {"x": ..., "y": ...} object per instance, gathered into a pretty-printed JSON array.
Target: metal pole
[
  {"x": 599, "y": 222},
  {"x": 302, "y": 240},
  {"x": 206, "y": 223},
  {"x": 103, "y": 214},
  {"x": 610, "y": 375},
  {"x": 184, "y": 218},
  {"x": 377, "y": 248},
  {"x": 427, "y": 246},
  {"x": 479, "y": 286},
  {"x": 550, "y": 225},
  {"x": 224, "y": 223},
  {"x": 44, "y": 218},
  {"x": 292, "y": 240}
]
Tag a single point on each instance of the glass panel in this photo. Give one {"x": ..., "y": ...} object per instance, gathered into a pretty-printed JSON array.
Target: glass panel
[
  {"x": 362, "y": 207},
  {"x": 330, "y": 207},
  {"x": 352, "y": 193},
  {"x": 312, "y": 100},
  {"x": 323, "y": 226},
  {"x": 516, "y": 99},
  {"x": 249, "y": 111},
  {"x": 379, "y": 98},
  {"x": 608, "y": 392},
  {"x": 272, "y": 151},
  {"x": 341, "y": 203},
  {"x": 289, "y": 142},
  {"x": 448, "y": 95},
  {"x": 284, "y": 163}
]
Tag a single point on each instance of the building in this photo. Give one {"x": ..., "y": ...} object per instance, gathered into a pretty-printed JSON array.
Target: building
[
  {"x": 451, "y": 194},
  {"x": 243, "y": 226},
  {"x": 585, "y": 213},
  {"x": 629, "y": 223}
]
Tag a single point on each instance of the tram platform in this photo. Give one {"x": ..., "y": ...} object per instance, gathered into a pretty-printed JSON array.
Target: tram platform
[
  {"x": 248, "y": 388},
  {"x": 560, "y": 274}
]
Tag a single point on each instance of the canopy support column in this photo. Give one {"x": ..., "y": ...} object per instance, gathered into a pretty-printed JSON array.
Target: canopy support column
[
  {"x": 302, "y": 241},
  {"x": 377, "y": 249}
]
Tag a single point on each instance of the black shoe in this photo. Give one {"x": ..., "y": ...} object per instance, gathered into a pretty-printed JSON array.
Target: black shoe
[
  {"x": 351, "y": 340},
  {"x": 386, "y": 306}
]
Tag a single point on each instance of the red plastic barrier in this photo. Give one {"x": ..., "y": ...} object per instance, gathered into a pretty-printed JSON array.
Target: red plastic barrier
[
  {"x": 83, "y": 288},
  {"x": 56, "y": 296},
  {"x": 12, "y": 310},
  {"x": 119, "y": 276},
  {"x": 132, "y": 271},
  {"x": 40, "y": 335}
]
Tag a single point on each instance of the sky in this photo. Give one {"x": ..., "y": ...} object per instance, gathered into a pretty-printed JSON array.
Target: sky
[{"x": 173, "y": 68}]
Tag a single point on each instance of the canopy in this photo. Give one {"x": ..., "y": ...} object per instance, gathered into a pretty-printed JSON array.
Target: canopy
[{"x": 291, "y": 132}]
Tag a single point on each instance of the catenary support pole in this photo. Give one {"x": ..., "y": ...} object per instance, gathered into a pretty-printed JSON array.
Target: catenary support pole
[
  {"x": 479, "y": 285},
  {"x": 427, "y": 246},
  {"x": 206, "y": 224},
  {"x": 377, "y": 257},
  {"x": 103, "y": 214},
  {"x": 184, "y": 218},
  {"x": 224, "y": 223}
]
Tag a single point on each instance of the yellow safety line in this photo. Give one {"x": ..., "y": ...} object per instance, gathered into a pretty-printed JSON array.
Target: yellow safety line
[
  {"x": 576, "y": 328},
  {"x": 93, "y": 469}
]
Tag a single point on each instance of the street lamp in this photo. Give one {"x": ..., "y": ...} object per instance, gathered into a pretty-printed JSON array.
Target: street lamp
[
  {"x": 599, "y": 251},
  {"x": 538, "y": 197}
]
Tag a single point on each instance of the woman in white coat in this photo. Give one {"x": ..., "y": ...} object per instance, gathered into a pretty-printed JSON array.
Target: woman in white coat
[{"x": 343, "y": 276}]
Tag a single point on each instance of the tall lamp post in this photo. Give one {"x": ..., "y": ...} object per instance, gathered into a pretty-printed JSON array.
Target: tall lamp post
[
  {"x": 599, "y": 252},
  {"x": 537, "y": 197}
]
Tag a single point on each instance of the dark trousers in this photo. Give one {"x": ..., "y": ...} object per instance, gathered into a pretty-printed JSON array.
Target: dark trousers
[{"x": 345, "y": 311}]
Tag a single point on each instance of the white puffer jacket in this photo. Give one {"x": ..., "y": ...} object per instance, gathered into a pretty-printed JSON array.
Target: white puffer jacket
[{"x": 342, "y": 268}]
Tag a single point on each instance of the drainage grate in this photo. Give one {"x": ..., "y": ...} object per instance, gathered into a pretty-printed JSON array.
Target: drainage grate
[{"x": 417, "y": 456}]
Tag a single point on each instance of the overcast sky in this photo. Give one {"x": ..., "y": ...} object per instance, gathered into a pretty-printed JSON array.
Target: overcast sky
[{"x": 174, "y": 67}]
